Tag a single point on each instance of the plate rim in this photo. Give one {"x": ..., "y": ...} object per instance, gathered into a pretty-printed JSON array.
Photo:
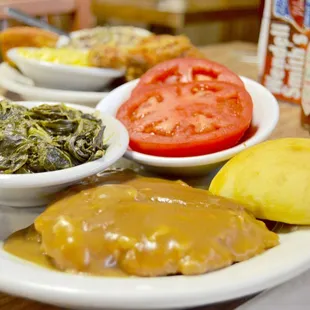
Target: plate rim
[{"x": 152, "y": 293}]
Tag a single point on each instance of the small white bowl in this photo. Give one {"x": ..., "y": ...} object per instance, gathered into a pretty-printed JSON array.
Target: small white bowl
[
  {"x": 265, "y": 118},
  {"x": 38, "y": 189},
  {"x": 66, "y": 77},
  {"x": 11, "y": 79}
]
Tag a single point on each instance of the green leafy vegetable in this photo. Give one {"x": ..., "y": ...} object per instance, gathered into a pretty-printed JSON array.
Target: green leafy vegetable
[{"x": 47, "y": 138}]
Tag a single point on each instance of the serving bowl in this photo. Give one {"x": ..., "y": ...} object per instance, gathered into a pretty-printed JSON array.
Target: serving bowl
[
  {"x": 38, "y": 189},
  {"x": 65, "y": 77},
  {"x": 265, "y": 118},
  {"x": 14, "y": 81}
]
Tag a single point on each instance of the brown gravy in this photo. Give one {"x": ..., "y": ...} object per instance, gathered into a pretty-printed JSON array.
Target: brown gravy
[{"x": 141, "y": 226}]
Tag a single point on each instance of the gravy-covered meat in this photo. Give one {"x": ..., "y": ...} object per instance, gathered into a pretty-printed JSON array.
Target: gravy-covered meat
[{"x": 148, "y": 227}]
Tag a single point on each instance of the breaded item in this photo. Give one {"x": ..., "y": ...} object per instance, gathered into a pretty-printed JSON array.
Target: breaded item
[
  {"x": 113, "y": 44},
  {"x": 155, "y": 49},
  {"x": 25, "y": 37},
  {"x": 108, "y": 56},
  {"x": 143, "y": 56}
]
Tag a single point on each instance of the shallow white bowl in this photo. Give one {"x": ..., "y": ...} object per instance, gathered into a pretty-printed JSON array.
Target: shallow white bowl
[
  {"x": 265, "y": 118},
  {"x": 14, "y": 81},
  {"x": 67, "y": 77},
  {"x": 30, "y": 190}
]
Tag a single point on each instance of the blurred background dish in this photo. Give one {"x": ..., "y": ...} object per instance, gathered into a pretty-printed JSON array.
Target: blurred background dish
[
  {"x": 118, "y": 35},
  {"x": 61, "y": 76},
  {"x": 103, "y": 47},
  {"x": 14, "y": 81}
]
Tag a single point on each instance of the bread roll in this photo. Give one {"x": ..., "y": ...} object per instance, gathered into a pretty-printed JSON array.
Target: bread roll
[{"x": 271, "y": 179}]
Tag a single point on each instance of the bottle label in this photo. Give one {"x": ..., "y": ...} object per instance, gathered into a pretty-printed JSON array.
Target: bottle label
[{"x": 286, "y": 70}]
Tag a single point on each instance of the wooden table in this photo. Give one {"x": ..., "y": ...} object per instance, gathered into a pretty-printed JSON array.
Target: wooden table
[
  {"x": 234, "y": 55},
  {"x": 222, "y": 20}
]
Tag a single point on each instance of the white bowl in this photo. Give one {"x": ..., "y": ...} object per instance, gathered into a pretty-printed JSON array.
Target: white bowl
[
  {"x": 31, "y": 190},
  {"x": 67, "y": 77},
  {"x": 265, "y": 118},
  {"x": 140, "y": 32},
  {"x": 13, "y": 81}
]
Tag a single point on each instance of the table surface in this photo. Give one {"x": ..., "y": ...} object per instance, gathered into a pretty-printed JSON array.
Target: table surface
[
  {"x": 180, "y": 6},
  {"x": 240, "y": 57}
]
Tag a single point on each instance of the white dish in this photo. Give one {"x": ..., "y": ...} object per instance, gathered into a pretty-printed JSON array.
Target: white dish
[
  {"x": 25, "y": 279},
  {"x": 66, "y": 77},
  {"x": 13, "y": 81},
  {"x": 140, "y": 32},
  {"x": 265, "y": 118},
  {"x": 25, "y": 190}
]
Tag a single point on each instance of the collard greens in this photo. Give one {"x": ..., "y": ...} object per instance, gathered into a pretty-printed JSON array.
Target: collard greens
[{"x": 47, "y": 138}]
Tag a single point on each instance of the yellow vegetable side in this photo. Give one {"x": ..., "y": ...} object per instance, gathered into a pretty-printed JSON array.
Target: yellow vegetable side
[{"x": 272, "y": 179}]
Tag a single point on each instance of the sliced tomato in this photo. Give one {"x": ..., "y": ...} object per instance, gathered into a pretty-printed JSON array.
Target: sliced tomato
[
  {"x": 186, "y": 70},
  {"x": 187, "y": 119}
]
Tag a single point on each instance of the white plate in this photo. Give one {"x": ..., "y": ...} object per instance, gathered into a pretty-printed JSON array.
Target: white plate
[
  {"x": 13, "y": 81},
  {"x": 265, "y": 119},
  {"x": 85, "y": 292},
  {"x": 66, "y": 77}
]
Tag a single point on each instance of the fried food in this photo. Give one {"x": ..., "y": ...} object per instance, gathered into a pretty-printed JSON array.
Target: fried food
[
  {"x": 25, "y": 37},
  {"x": 155, "y": 49},
  {"x": 144, "y": 55},
  {"x": 108, "y": 56},
  {"x": 113, "y": 45},
  {"x": 144, "y": 227}
]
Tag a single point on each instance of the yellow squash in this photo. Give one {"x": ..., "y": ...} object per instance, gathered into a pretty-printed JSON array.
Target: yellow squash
[{"x": 272, "y": 179}]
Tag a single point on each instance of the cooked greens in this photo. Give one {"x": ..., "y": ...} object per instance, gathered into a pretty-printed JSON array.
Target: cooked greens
[{"x": 47, "y": 138}]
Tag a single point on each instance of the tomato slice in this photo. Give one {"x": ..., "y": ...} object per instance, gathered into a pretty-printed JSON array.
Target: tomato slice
[
  {"x": 187, "y": 119},
  {"x": 186, "y": 70}
]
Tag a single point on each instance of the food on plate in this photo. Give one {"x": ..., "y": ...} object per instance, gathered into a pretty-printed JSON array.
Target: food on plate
[
  {"x": 125, "y": 224},
  {"x": 271, "y": 179},
  {"x": 65, "y": 56},
  {"x": 26, "y": 37},
  {"x": 156, "y": 49},
  {"x": 118, "y": 35},
  {"x": 47, "y": 138},
  {"x": 187, "y": 119},
  {"x": 108, "y": 56},
  {"x": 139, "y": 57},
  {"x": 185, "y": 71}
]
